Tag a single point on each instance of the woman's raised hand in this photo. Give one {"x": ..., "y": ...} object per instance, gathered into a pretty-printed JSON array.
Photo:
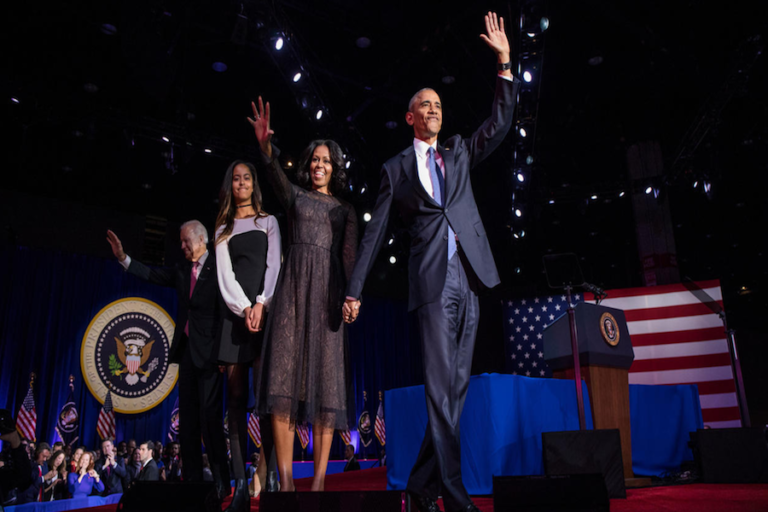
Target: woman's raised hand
[{"x": 260, "y": 123}]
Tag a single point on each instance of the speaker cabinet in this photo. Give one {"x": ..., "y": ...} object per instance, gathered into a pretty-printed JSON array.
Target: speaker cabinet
[
  {"x": 170, "y": 497},
  {"x": 330, "y": 501},
  {"x": 585, "y": 452},
  {"x": 567, "y": 493},
  {"x": 731, "y": 455}
]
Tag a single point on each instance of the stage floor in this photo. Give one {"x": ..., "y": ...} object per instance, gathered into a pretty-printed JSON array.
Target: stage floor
[{"x": 678, "y": 498}]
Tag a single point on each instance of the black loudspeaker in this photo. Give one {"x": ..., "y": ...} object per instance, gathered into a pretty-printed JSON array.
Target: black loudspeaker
[
  {"x": 569, "y": 493},
  {"x": 731, "y": 455},
  {"x": 334, "y": 501},
  {"x": 586, "y": 451},
  {"x": 170, "y": 497}
]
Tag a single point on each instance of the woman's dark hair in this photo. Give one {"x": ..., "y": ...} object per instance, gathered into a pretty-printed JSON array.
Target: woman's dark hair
[
  {"x": 228, "y": 208},
  {"x": 63, "y": 461},
  {"x": 338, "y": 183}
]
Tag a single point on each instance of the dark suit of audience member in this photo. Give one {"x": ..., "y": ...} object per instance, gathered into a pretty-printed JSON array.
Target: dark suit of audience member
[
  {"x": 149, "y": 472},
  {"x": 33, "y": 493},
  {"x": 113, "y": 477},
  {"x": 16, "y": 471},
  {"x": 195, "y": 348},
  {"x": 352, "y": 464}
]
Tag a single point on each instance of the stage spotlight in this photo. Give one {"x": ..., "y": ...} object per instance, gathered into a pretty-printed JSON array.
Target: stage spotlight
[
  {"x": 166, "y": 139},
  {"x": 208, "y": 151},
  {"x": 289, "y": 163},
  {"x": 296, "y": 77},
  {"x": 319, "y": 114},
  {"x": 522, "y": 233},
  {"x": 219, "y": 67},
  {"x": 520, "y": 177},
  {"x": 695, "y": 183},
  {"x": 362, "y": 190},
  {"x": 523, "y": 133},
  {"x": 391, "y": 241},
  {"x": 593, "y": 197},
  {"x": 349, "y": 162},
  {"x": 529, "y": 159},
  {"x": 515, "y": 236},
  {"x": 279, "y": 43},
  {"x": 649, "y": 189},
  {"x": 621, "y": 194},
  {"x": 392, "y": 260},
  {"x": 656, "y": 192},
  {"x": 15, "y": 100},
  {"x": 544, "y": 23},
  {"x": 518, "y": 213},
  {"x": 707, "y": 187},
  {"x": 551, "y": 201},
  {"x": 367, "y": 217},
  {"x": 518, "y": 270},
  {"x": 527, "y": 76}
]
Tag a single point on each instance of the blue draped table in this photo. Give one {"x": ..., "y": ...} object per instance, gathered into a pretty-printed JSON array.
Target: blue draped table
[{"x": 504, "y": 417}]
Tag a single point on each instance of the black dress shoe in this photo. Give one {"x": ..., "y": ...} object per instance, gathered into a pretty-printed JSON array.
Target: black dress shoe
[
  {"x": 271, "y": 485},
  {"x": 470, "y": 508},
  {"x": 241, "y": 499},
  {"x": 424, "y": 504}
]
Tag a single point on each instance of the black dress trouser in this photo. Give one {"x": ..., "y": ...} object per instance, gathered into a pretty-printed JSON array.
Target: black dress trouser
[
  {"x": 200, "y": 408},
  {"x": 447, "y": 328}
]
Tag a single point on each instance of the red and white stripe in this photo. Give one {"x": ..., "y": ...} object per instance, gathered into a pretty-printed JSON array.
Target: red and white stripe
[
  {"x": 26, "y": 420},
  {"x": 254, "y": 429},
  {"x": 679, "y": 340},
  {"x": 303, "y": 432},
  {"x": 346, "y": 436},
  {"x": 379, "y": 427},
  {"x": 105, "y": 425}
]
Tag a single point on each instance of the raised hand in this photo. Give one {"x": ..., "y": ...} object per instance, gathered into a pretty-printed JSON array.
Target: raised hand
[
  {"x": 116, "y": 244},
  {"x": 260, "y": 123},
  {"x": 495, "y": 37}
]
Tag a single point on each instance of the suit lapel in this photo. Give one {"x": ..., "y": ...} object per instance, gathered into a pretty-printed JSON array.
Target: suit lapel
[
  {"x": 412, "y": 173},
  {"x": 204, "y": 272}
]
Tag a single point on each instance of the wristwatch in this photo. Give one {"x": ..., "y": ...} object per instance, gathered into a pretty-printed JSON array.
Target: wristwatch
[{"x": 505, "y": 66}]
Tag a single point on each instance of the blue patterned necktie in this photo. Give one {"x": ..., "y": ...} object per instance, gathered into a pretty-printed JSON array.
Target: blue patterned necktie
[{"x": 438, "y": 192}]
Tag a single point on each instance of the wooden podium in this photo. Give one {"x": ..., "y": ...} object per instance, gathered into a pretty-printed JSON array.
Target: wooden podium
[{"x": 605, "y": 355}]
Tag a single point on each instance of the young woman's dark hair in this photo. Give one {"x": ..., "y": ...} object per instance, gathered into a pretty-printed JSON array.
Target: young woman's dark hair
[
  {"x": 227, "y": 207},
  {"x": 338, "y": 183}
]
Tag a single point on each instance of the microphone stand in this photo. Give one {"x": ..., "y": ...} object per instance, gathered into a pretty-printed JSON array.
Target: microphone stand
[{"x": 576, "y": 363}]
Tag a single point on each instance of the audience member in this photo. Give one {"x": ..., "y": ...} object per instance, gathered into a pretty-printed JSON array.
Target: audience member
[
  {"x": 35, "y": 490},
  {"x": 207, "y": 473},
  {"x": 149, "y": 471},
  {"x": 85, "y": 480},
  {"x": 173, "y": 463},
  {"x": 56, "y": 478},
  {"x": 133, "y": 467},
  {"x": 349, "y": 454},
  {"x": 111, "y": 468}
]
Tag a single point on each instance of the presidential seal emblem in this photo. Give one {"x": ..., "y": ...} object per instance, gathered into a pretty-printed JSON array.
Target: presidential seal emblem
[
  {"x": 125, "y": 350},
  {"x": 609, "y": 329}
]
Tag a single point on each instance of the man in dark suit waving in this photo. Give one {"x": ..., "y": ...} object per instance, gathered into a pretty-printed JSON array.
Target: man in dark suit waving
[
  {"x": 428, "y": 184},
  {"x": 195, "y": 348}
]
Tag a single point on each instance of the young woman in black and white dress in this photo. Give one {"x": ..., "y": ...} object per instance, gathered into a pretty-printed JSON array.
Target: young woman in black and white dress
[{"x": 248, "y": 258}]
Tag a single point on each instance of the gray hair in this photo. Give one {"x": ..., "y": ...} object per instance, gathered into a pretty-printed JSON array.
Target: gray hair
[
  {"x": 197, "y": 228},
  {"x": 416, "y": 96}
]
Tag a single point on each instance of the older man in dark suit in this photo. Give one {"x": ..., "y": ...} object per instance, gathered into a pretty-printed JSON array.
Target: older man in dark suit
[
  {"x": 428, "y": 184},
  {"x": 195, "y": 348}
]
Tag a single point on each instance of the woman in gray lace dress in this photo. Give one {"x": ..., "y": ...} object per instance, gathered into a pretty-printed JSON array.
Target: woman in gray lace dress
[{"x": 304, "y": 361}]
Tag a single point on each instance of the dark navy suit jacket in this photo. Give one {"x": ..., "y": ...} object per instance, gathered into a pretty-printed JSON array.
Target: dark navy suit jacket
[{"x": 426, "y": 220}]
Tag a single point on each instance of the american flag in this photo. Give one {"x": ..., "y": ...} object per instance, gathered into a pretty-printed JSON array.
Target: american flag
[
  {"x": 106, "y": 423},
  {"x": 254, "y": 429},
  {"x": 26, "y": 420},
  {"x": 379, "y": 427},
  {"x": 677, "y": 339},
  {"x": 303, "y": 432},
  {"x": 346, "y": 436}
]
